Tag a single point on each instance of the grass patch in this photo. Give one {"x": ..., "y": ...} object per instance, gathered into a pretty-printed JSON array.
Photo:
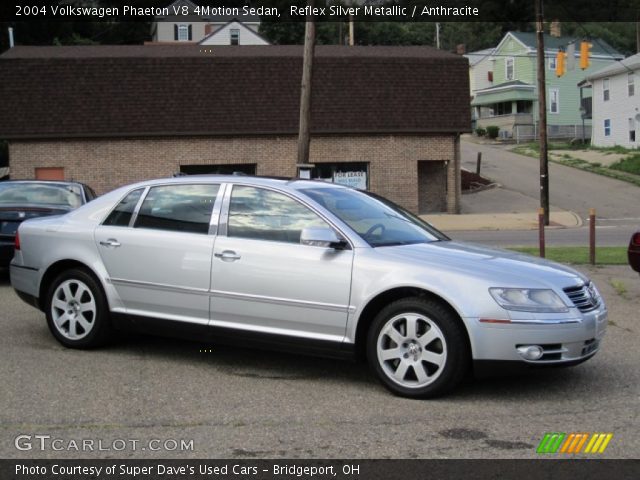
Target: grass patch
[
  {"x": 624, "y": 172},
  {"x": 629, "y": 164},
  {"x": 619, "y": 287},
  {"x": 580, "y": 255}
]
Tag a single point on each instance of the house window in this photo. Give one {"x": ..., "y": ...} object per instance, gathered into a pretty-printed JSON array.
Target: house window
[
  {"x": 605, "y": 89},
  {"x": 631, "y": 84},
  {"x": 632, "y": 130},
  {"x": 607, "y": 128},
  {"x": 508, "y": 67},
  {"x": 502, "y": 108},
  {"x": 554, "y": 100},
  {"x": 524, "y": 106},
  {"x": 234, "y": 34},
  {"x": 552, "y": 63},
  {"x": 183, "y": 33}
]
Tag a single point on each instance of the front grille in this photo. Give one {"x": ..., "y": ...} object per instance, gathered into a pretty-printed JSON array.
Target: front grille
[{"x": 583, "y": 297}]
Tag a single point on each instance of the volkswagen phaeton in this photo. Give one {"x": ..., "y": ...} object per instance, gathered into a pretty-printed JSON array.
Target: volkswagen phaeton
[{"x": 305, "y": 266}]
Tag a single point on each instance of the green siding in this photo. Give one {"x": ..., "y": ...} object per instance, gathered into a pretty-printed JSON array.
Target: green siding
[
  {"x": 569, "y": 92},
  {"x": 525, "y": 70}
]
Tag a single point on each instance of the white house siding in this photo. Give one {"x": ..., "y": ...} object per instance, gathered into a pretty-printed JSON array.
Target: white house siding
[
  {"x": 480, "y": 64},
  {"x": 165, "y": 30},
  {"x": 618, "y": 109},
  {"x": 223, "y": 36}
]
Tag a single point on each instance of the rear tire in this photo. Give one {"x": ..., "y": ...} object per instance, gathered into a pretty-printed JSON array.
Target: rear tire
[
  {"x": 77, "y": 310},
  {"x": 417, "y": 348}
]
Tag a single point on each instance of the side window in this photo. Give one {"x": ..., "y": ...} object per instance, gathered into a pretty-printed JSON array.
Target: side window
[
  {"x": 179, "y": 208},
  {"x": 121, "y": 215},
  {"x": 265, "y": 215}
]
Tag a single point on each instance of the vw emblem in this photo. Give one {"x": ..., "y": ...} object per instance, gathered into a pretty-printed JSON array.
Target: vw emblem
[{"x": 21, "y": 214}]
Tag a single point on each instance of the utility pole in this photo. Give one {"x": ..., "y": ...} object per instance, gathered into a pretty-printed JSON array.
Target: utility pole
[
  {"x": 638, "y": 36},
  {"x": 438, "y": 35},
  {"x": 304, "y": 167},
  {"x": 542, "y": 108},
  {"x": 11, "y": 42},
  {"x": 352, "y": 35}
]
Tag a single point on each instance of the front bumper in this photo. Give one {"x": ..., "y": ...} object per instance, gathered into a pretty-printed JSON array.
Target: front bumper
[{"x": 567, "y": 341}]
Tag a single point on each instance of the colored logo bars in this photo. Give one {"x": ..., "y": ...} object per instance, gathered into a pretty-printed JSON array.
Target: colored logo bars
[{"x": 574, "y": 442}]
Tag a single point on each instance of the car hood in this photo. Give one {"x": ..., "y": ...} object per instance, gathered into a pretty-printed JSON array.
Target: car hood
[{"x": 512, "y": 268}]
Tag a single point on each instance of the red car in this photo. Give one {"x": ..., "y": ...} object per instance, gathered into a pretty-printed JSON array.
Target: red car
[{"x": 634, "y": 252}]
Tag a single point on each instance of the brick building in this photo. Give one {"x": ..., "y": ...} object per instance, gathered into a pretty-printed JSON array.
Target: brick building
[{"x": 111, "y": 115}]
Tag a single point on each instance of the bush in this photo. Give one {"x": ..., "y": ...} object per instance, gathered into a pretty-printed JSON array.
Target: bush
[
  {"x": 481, "y": 132},
  {"x": 492, "y": 131}
]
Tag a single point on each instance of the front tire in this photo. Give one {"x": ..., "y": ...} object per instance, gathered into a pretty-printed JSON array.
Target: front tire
[
  {"x": 77, "y": 312},
  {"x": 417, "y": 348}
]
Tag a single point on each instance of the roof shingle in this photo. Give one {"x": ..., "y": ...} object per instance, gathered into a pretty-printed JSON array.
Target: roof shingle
[{"x": 118, "y": 91}]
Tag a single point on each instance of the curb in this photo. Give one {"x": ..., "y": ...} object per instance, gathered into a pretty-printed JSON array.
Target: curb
[{"x": 501, "y": 221}]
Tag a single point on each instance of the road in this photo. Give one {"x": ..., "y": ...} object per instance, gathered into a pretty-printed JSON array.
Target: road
[
  {"x": 616, "y": 202},
  {"x": 239, "y": 403}
]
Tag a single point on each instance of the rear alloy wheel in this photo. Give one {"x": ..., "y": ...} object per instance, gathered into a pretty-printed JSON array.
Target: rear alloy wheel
[
  {"x": 77, "y": 311},
  {"x": 417, "y": 348}
]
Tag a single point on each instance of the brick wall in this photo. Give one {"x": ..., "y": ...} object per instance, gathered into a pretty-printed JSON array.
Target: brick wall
[{"x": 109, "y": 163}]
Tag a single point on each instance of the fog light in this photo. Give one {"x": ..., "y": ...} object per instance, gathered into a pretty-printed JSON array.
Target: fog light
[{"x": 530, "y": 352}]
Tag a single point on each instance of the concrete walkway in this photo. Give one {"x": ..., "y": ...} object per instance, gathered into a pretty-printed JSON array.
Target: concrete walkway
[{"x": 500, "y": 221}]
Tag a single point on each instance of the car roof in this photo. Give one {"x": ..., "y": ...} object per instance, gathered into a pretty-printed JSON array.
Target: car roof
[
  {"x": 295, "y": 183},
  {"x": 48, "y": 182}
]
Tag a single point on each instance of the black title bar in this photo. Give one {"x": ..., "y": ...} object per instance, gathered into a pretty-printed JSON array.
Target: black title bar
[{"x": 510, "y": 11}]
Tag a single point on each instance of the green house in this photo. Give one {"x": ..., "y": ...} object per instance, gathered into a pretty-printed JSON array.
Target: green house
[{"x": 507, "y": 92}]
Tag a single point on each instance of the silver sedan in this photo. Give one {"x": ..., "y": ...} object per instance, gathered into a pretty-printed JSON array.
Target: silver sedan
[{"x": 305, "y": 266}]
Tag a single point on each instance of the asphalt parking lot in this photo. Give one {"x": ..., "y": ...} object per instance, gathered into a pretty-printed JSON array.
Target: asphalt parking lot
[{"x": 238, "y": 403}]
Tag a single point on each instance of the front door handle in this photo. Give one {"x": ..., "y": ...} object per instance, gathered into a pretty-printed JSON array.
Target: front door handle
[
  {"x": 112, "y": 242},
  {"x": 227, "y": 256}
]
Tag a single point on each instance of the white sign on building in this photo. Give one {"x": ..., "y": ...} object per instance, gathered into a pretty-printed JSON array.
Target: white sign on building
[{"x": 351, "y": 179}]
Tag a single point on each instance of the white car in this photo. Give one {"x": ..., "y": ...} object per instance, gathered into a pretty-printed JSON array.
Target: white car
[{"x": 302, "y": 265}]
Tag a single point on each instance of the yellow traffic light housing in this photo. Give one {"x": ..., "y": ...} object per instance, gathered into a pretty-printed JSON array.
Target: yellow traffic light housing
[
  {"x": 585, "y": 54},
  {"x": 561, "y": 63}
]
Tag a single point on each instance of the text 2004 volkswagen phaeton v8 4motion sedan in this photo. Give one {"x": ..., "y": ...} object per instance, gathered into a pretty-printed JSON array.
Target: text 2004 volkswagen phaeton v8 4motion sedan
[{"x": 302, "y": 265}]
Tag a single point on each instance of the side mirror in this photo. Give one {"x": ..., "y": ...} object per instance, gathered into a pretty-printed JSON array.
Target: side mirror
[{"x": 321, "y": 237}]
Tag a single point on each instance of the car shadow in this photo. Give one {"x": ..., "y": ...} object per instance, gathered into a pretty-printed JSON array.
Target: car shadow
[
  {"x": 246, "y": 362},
  {"x": 272, "y": 365}
]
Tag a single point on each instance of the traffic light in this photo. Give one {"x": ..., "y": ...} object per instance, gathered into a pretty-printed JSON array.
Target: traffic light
[
  {"x": 560, "y": 63},
  {"x": 585, "y": 54}
]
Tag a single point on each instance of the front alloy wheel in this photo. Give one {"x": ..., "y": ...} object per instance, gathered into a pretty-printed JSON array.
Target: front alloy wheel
[
  {"x": 412, "y": 350},
  {"x": 76, "y": 309},
  {"x": 417, "y": 347}
]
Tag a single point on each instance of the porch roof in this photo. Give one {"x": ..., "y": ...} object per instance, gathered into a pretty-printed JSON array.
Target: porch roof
[{"x": 505, "y": 92}]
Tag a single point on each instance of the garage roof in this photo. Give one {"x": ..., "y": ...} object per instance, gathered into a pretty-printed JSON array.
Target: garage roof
[{"x": 168, "y": 90}]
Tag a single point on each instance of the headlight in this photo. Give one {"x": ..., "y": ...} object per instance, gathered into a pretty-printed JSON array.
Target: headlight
[{"x": 528, "y": 300}]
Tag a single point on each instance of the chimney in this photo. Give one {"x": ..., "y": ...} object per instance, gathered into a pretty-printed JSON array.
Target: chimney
[
  {"x": 555, "y": 30},
  {"x": 208, "y": 28},
  {"x": 461, "y": 49}
]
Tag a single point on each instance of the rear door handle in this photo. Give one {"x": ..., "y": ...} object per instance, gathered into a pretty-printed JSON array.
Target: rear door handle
[
  {"x": 112, "y": 242},
  {"x": 227, "y": 256}
]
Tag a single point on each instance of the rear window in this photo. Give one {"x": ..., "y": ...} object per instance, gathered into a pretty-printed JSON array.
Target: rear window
[{"x": 40, "y": 194}]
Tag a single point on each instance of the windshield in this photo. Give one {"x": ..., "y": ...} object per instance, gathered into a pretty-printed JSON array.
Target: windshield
[
  {"x": 40, "y": 194},
  {"x": 378, "y": 221}
]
